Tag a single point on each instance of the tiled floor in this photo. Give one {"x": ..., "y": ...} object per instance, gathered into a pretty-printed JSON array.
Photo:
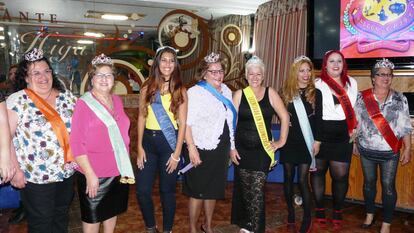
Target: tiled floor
[{"x": 131, "y": 221}]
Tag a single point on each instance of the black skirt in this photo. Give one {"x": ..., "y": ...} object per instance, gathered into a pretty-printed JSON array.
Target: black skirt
[
  {"x": 209, "y": 179},
  {"x": 111, "y": 199}
]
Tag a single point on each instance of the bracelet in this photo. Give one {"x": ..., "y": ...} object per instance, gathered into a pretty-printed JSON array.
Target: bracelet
[
  {"x": 176, "y": 160},
  {"x": 190, "y": 145}
]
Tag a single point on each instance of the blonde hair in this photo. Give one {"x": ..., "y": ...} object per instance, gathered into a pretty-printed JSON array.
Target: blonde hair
[{"x": 291, "y": 88}]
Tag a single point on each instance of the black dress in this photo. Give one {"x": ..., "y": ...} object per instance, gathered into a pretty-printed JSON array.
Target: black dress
[
  {"x": 295, "y": 150},
  {"x": 248, "y": 210}
]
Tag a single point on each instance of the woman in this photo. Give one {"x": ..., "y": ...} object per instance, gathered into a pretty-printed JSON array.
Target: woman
[
  {"x": 299, "y": 98},
  {"x": 7, "y": 169},
  {"x": 384, "y": 124},
  {"x": 335, "y": 123},
  {"x": 209, "y": 136},
  {"x": 163, "y": 111},
  {"x": 100, "y": 144},
  {"x": 255, "y": 155},
  {"x": 40, "y": 118}
]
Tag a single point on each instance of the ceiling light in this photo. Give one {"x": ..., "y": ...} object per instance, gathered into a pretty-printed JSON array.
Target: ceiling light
[
  {"x": 1, "y": 37},
  {"x": 94, "y": 34},
  {"x": 85, "y": 42},
  {"x": 114, "y": 17},
  {"x": 1, "y": 29}
]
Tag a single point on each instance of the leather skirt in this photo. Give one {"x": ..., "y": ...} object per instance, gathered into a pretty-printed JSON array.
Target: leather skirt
[{"x": 111, "y": 199}]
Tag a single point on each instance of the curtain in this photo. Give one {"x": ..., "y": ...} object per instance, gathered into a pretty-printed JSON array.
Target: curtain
[{"x": 279, "y": 37}]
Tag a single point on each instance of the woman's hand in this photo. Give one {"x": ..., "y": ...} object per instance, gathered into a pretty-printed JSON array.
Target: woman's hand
[
  {"x": 7, "y": 170},
  {"x": 194, "y": 156},
  {"x": 316, "y": 147},
  {"x": 92, "y": 185},
  {"x": 235, "y": 157},
  {"x": 276, "y": 145},
  {"x": 19, "y": 180},
  {"x": 405, "y": 156},
  {"x": 172, "y": 162},
  {"x": 141, "y": 158}
]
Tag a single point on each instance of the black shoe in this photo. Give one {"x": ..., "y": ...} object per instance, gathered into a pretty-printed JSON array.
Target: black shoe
[
  {"x": 18, "y": 216},
  {"x": 366, "y": 226}
]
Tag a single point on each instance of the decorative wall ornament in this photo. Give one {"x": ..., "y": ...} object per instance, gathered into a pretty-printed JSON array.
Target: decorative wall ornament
[{"x": 231, "y": 36}]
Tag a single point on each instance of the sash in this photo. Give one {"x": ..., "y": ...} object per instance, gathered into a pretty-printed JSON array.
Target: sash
[
  {"x": 305, "y": 127},
  {"x": 164, "y": 121},
  {"x": 121, "y": 153},
  {"x": 222, "y": 98},
  {"x": 260, "y": 123},
  {"x": 340, "y": 92},
  {"x": 58, "y": 127},
  {"x": 379, "y": 120}
]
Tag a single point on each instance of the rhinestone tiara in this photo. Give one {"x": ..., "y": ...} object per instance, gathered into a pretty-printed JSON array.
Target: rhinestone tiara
[
  {"x": 166, "y": 47},
  {"x": 212, "y": 57},
  {"x": 254, "y": 60},
  {"x": 102, "y": 59},
  {"x": 384, "y": 63},
  {"x": 33, "y": 55},
  {"x": 302, "y": 58}
]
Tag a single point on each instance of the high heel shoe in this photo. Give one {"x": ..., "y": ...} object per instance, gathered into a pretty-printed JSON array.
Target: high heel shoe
[
  {"x": 202, "y": 228},
  {"x": 366, "y": 226},
  {"x": 320, "y": 218},
  {"x": 337, "y": 220},
  {"x": 306, "y": 227}
]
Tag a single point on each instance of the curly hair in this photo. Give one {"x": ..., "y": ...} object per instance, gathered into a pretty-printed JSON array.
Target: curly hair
[
  {"x": 344, "y": 74},
  {"x": 291, "y": 88},
  {"x": 22, "y": 73}
]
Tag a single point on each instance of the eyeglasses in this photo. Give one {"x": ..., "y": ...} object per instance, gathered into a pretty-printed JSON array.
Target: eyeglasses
[
  {"x": 383, "y": 75},
  {"x": 102, "y": 75},
  {"x": 215, "y": 72}
]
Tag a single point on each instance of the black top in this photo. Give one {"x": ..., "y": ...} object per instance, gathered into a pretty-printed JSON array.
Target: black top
[
  {"x": 250, "y": 148},
  {"x": 295, "y": 149}
]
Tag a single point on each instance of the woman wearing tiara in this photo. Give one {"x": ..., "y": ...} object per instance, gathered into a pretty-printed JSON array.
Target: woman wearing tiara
[
  {"x": 100, "y": 144},
  {"x": 298, "y": 95},
  {"x": 384, "y": 125},
  {"x": 40, "y": 121},
  {"x": 255, "y": 148},
  {"x": 209, "y": 136},
  {"x": 161, "y": 128},
  {"x": 335, "y": 124}
]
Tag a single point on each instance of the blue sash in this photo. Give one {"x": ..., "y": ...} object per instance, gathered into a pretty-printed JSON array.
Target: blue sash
[
  {"x": 222, "y": 98},
  {"x": 305, "y": 127},
  {"x": 164, "y": 121}
]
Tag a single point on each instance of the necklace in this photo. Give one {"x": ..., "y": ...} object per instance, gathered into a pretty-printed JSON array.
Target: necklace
[
  {"x": 382, "y": 106},
  {"x": 106, "y": 100},
  {"x": 50, "y": 93}
]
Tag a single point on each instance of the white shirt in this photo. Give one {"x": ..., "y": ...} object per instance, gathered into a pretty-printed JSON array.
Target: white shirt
[
  {"x": 330, "y": 110},
  {"x": 207, "y": 115}
]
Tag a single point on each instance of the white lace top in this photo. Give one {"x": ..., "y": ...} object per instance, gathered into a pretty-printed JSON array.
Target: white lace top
[{"x": 206, "y": 117}]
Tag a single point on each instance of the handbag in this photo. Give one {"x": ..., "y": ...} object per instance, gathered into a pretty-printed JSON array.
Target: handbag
[{"x": 9, "y": 197}]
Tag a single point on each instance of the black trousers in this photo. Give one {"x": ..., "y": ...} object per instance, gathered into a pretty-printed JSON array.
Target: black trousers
[{"x": 47, "y": 206}]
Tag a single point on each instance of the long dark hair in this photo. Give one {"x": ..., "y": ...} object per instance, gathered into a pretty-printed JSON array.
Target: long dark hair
[
  {"x": 22, "y": 73},
  {"x": 155, "y": 81},
  {"x": 344, "y": 74}
]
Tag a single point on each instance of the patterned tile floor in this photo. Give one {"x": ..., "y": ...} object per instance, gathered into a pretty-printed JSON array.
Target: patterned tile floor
[{"x": 131, "y": 221}]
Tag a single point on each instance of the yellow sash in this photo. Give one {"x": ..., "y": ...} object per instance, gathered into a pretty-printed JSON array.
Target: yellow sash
[{"x": 260, "y": 123}]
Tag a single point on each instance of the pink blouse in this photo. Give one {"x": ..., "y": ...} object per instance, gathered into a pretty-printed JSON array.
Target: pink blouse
[{"x": 89, "y": 136}]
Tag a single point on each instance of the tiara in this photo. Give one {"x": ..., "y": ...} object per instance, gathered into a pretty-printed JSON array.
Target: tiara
[
  {"x": 212, "y": 57},
  {"x": 102, "y": 59},
  {"x": 33, "y": 55},
  {"x": 302, "y": 58},
  {"x": 384, "y": 63},
  {"x": 166, "y": 47},
  {"x": 254, "y": 60}
]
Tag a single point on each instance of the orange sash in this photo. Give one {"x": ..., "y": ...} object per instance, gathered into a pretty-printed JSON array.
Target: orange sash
[
  {"x": 379, "y": 120},
  {"x": 346, "y": 105},
  {"x": 58, "y": 126}
]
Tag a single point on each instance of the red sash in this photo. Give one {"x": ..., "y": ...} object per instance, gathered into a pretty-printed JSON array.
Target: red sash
[
  {"x": 340, "y": 92},
  {"x": 379, "y": 120},
  {"x": 58, "y": 126}
]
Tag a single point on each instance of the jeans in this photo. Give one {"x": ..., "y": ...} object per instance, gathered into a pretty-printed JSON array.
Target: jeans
[
  {"x": 388, "y": 171},
  {"x": 158, "y": 152},
  {"x": 47, "y": 206}
]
